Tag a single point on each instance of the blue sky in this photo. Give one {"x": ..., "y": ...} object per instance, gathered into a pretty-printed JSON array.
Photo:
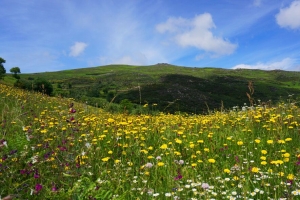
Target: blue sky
[{"x": 54, "y": 35}]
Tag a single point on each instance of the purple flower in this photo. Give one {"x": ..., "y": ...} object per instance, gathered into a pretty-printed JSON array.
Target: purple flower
[
  {"x": 38, "y": 187},
  {"x": 236, "y": 159},
  {"x": 4, "y": 157},
  {"x": 13, "y": 152},
  {"x": 179, "y": 176},
  {"x": 72, "y": 110},
  {"x": 62, "y": 148},
  {"x": 36, "y": 175},
  {"x": 54, "y": 188}
]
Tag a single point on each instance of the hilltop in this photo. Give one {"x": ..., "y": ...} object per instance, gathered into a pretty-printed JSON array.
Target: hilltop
[{"x": 172, "y": 88}]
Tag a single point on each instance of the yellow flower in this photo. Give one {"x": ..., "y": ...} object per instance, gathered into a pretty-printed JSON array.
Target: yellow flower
[
  {"x": 178, "y": 141},
  {"x": 263, "y": 163},
  {"x": 288, "y": 139},
  {"x": 200, "y": 141},
  {"x": 281, "y": 173},
  {"x": 105, "y": 159},
  {"x": 206, "y": 149},
  {"x": 280, "y": 141},
  {"x": 264, "y": 151},
  {"x": 160, "y": 164},
  {"x": 277, "y": 162},
  {"x": 257, "y": 141},
  {"x": 147, "y": 173},
  {"x": 179, "y": 132},
  {"x": 211, "y": 160},
  {"x": 286, "y": 155},
  {"x": 117, "y": 161},
  {"x": 194, "y": 164},
  {"x": 240, "y": 143},
  {"x": 44, "y": 131},
  {"x": 270, "y": 141},
  {"x": 227, "y": 171},
  {"x": 255, "y": 170},
  {"x": 263, "y": 158},
  {"x": 150, "y": 148},
  {"x": 164, "y": 146},
  {"x": 290, "y": 177},
  {"x": 110, "y": 120}
]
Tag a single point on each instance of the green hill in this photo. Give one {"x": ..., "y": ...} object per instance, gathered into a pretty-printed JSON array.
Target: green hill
[{"x": 172, "y": 88}]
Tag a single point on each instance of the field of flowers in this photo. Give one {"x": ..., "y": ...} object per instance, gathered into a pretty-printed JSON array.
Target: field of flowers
[{"x": 55, "y": 148}]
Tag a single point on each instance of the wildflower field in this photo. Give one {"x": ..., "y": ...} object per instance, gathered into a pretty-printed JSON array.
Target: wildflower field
[{"x": 55, "y": 148}]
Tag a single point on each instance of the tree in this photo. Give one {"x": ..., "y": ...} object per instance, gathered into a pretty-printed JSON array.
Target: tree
[
  {"x": 2, "y": 69},
  {"x": 15, "y": 70}
]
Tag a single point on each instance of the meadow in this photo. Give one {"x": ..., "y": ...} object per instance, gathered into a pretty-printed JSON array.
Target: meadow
[{"x": 56, "y": 148}]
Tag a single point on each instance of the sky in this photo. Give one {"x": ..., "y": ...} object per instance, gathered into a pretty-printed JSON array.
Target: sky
[{"x": 55, "y": 35}]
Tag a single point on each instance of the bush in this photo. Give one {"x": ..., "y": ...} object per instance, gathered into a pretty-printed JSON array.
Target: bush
[{"x": 43, "y": 86}]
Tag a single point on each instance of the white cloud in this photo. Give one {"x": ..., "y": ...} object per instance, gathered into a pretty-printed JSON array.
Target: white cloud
[
  {"x": 289, "y": 17},
  {"x": 77, "y": 49},
  {"x": 197, "y": 33},
  {"x": 285, "y": 64},
  {"x": 257, "y": 3},
  {"x": 127, "y": 60},
  {"x": 136, "y": 58}
]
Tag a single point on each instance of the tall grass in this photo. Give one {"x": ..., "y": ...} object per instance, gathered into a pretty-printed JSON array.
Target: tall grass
[{"x": 54, "y": 148}]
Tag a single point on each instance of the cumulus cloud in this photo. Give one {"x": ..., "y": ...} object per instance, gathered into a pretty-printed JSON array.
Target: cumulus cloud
[
  {"x": 289, "y": 17},
  {"x": 197, "y": 33},
  {"x": 77, "y": 49},
  {"x": 285, "y": 64}
]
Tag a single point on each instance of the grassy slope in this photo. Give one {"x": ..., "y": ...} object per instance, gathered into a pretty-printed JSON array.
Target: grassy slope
[{"x": 176, "y": 88}]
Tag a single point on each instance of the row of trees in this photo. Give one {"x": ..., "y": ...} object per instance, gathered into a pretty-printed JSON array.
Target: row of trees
[
  {"x": 14, "y": 70},
  {"x": 39, "y": 85}
]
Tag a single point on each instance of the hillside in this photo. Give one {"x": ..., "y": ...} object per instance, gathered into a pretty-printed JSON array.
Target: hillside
[{"x": 172, "y": 88}]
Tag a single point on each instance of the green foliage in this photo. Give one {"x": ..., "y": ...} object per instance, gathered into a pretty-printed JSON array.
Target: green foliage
[
  {"x": 24, "y": 84},
  {"x": 43, "y": 86},
  {"x": 87, "y": 189},
  {"x": 2, "y": 69},
  {"x": 173, "y": 88},
  {"x": 39, "y": 85},
  {"x": 15, "y": 71},
  {"x": 126, "y": 105}
]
